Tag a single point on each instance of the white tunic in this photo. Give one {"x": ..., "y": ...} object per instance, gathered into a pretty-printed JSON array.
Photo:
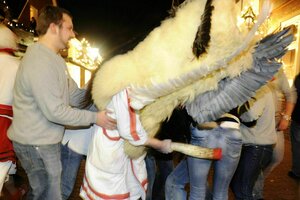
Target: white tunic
[
  {"x": 8, "y": 69},
  {"x": 109, "y": 172}
]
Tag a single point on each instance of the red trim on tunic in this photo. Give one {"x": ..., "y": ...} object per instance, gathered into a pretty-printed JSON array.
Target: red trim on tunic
[
  {"x": 104, "y": 196},
  {"x": 143, "y": 183},
  {"x": 132, "y": 118},
  {"x": 6, "y": 147},
  {"x": 8, "y": 50},
  {"x": 6, "y": 110},
  {"x": 110, "y": 138},
  {"x": 87, "y": 192}
]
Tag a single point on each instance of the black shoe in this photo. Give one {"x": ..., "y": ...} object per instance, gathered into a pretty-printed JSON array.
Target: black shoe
[{"x": 293, "y": 175}]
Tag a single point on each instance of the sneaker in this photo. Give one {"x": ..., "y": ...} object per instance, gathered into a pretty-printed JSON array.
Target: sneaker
[{"x": 293, "y": 175}]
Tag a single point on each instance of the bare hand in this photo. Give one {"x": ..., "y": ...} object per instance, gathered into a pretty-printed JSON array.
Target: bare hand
[
  {"x": 105, "y": 121},
  {"x": 283, "y": 125},
  {"x": 166, "y": 146}
]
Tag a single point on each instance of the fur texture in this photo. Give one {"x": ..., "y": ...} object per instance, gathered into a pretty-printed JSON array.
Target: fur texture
[
  {"x": 7, "y": 39},
  {"x": 167, "y": 53}
]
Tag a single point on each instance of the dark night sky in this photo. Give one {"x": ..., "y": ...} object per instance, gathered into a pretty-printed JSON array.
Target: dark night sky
[{"x": 108, "y": 24}]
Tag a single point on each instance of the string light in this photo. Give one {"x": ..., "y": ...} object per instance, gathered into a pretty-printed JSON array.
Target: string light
[{"x": 80, "y": 52}]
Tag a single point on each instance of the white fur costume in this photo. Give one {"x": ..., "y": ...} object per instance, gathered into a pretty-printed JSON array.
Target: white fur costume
[{"x": 166, "y": 54}]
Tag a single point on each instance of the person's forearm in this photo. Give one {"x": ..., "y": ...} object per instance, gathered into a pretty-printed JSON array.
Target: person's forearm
[
  {"x": 154, "y": 143},
  {"x": 289, "y": 107},
  {"x": 163, "y": 146}
]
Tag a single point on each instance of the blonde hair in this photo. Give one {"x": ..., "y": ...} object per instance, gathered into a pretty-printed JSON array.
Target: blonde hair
[{"x": 7, "y": 38}]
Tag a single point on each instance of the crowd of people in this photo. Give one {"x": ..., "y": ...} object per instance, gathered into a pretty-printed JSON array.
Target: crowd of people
[{"x": 49, "y": 125}]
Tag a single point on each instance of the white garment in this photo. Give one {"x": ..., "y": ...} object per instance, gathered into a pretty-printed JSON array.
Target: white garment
[
  {"x": 109, "y": 173},
  {"x": 6, "y": 168},
  {"x": 78, "y": 140},
  {"x": 8, "y": 69}
]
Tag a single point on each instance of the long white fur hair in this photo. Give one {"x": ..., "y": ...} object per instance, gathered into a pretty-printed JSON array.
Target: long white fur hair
[{"x": 7, "y": 38}]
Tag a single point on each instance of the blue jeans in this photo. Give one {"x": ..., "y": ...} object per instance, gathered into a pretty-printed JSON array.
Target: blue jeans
[
  {"x": 176, "y": 181},
  {"x": 197, "y": 170},
  {"x": 43, "y": 168},
  {"x": 254, "y": 159},
  {"x": 70, "y": 161},
  {"x": 157, "y": 173},
  {"x": 151, "y": 171},
  {"x": 295, "y": 143}
]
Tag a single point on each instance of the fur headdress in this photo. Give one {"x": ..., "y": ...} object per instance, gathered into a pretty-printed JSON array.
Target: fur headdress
[
  {"x": 7, "y": 38},
  {"x": 166, "y": 70}
]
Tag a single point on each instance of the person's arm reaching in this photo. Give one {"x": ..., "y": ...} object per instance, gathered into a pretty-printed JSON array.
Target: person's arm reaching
[{"x": 163, "y": 146}]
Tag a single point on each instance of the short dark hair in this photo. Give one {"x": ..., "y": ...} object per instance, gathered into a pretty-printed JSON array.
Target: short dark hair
[{"x": 50, "y": 14}]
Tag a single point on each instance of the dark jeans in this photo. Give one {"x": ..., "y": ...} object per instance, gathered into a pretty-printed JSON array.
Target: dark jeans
[
  {"x": 70, "y": 164},
  {"x": 295, "y": 142},
  {"x": 253, "y": 160},
  {"x": 157, "y": 173}
]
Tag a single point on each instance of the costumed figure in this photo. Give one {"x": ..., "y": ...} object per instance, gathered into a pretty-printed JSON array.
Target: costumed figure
[
  {"x": 8, "y": 69},
  {"x": 199, "y": 57}
]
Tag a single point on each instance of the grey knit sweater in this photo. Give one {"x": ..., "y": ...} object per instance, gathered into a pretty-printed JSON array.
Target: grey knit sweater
[{"x": 44, "y": 94}]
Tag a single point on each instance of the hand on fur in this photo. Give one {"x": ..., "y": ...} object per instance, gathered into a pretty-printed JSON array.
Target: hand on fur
[{"x": 105, "y": 121}]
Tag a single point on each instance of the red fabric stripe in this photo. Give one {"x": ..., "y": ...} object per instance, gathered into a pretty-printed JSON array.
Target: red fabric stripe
[
  {"x": 6, "y": 110},
  {"x": 87, "y": 192},
  {"x": 8, "y": 50},
  {"x": 105, "y": 196},
  {"x": 111, "y": 138},
  {"x": 132, "y": 120},
  {"x": 6, "y": 147},
  {"x": 143, "y": 182}
]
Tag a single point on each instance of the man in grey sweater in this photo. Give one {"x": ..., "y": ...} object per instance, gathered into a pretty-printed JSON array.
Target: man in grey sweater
[{"x": 45, "y": 97}]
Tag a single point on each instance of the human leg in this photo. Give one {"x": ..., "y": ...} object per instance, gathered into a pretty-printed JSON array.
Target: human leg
[
  {"x": 43, "y": 168},
  {"x": 231, "y": 143},
  {"x": 176, "y": 181},
  {"x": 52, "y": 161},
  {"x": 277, "y": 157},
  {"x": 70, "y": 161},
  {"x": 164, "y": 168},
  {"x": 151, "y": 172},
  {"x": 199, "y": 168},
  {"x": 254, "y": 158},
  {"x": 259, "y": 186},
  {"x": 295, "y": 143}
]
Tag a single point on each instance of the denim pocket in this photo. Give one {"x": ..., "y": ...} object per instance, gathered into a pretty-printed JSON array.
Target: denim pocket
[
  {"x": 199, "y": 137},
  {"x": 234, "y": 147}
]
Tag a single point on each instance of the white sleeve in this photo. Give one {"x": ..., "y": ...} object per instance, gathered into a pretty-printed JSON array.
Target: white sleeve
[{"x": 128, "y": 122}]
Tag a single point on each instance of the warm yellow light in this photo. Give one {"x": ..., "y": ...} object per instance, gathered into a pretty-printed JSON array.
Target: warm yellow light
[{"x": 82, "y": 53}]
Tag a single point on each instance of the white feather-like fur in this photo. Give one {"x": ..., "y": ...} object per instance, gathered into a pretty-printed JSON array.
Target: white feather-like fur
[
  {"x": 7, "y": 38},
  {"x": 166, "y": 53}
]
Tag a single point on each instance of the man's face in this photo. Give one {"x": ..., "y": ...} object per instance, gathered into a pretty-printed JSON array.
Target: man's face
[{"x": 66, "y": 31}]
